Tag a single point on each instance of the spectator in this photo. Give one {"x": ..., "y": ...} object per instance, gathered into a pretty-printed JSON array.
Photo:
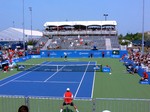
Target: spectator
[
  {"x": 103, "y": 54},
  {"x": 0, "y": 65},
  {"x": 5, "y": 67},
  {"x": 68, "y": 100},
  {"x": 96, "y": 67},
  {"x": 135, "y": 69},
  {"x": 11, "y": 66},
  {"x": 48, "y": 54},
  {"x": 130, "y": 68},
  {"x": 23, "y": 108},
  {"x": 91, "y": 55},
  {"x": 145, "y": 77}
]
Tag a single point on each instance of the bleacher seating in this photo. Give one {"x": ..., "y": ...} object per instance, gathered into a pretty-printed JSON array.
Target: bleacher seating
[
  {"x": 81, "y": 42},
  {"x": 114, "y": 42},
  {"x": 41, "y": 42}
]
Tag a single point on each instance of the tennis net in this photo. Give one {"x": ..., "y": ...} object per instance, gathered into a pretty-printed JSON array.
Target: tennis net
[{"x": 60, "y": 68}]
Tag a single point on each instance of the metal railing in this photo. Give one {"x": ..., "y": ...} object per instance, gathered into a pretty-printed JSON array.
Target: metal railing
[
  {"x": 52, "y": 104},
  {"x": 80, "y": 32}
]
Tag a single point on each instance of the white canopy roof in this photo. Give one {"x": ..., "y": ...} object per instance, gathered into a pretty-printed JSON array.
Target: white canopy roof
[
  {"x": 84, "y": 23},
  {"x": 28, "y": 32},
  {"x": 16, "y": 34}
]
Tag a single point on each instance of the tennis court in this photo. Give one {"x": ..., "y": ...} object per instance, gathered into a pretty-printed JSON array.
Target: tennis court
[
  {"x": 118, "y": 92},
  {"x": 37, "y": 82}
]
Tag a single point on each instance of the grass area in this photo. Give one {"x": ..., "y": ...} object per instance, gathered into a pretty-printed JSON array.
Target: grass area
[{"x": 119, "y": 84}]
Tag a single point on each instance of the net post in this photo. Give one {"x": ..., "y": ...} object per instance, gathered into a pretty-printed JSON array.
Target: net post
[{"x": 101, "y": 68}]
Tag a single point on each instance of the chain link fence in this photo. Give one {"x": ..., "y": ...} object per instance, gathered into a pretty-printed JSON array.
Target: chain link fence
[{"x": 52, "y": 104}]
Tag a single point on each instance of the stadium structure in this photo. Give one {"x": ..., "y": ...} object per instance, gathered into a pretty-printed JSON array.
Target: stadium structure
[
  {"x": 81, "y": 35},
  {"x": 97, "y": 35}
]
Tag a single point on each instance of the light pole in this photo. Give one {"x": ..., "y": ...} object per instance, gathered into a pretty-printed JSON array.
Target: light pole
[
  {"x": 30, "y": 9},
  {"x": 143, "y": 27},
  {"x": 23, "y": 24},
  {"x": 105, "y": 16}
]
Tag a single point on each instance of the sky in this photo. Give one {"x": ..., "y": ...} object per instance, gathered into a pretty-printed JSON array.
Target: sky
[{"x": 127, "y": 13}]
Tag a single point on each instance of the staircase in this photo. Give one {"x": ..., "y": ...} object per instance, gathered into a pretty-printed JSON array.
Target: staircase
[
  {"x": 108, "y": 44},
  {"x": 47, "y": 44}
]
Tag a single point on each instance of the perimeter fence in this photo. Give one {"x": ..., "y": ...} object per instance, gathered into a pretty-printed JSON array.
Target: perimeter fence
[{"x": 52, "y": 104}]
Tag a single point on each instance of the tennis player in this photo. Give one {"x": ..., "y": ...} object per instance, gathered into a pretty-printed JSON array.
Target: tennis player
[
  {"x": 65, "y": 56},
  {"x": 68, "y": 100}
]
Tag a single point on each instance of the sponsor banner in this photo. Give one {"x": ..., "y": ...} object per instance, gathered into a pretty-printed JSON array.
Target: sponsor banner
[
  {"x": 81, "y": 53},
  {"x": 106, "y": 69},
  {"x": 35, "y": 56},
  {"x": 115, "y": 56},
  {"x": 21, "y": 67}
]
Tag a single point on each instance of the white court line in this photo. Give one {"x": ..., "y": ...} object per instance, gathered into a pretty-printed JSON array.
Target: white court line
[
  {"x": 44, "y": 82},
  {"x": 62, "y": 82},
  {"x": 27, "y": 81},
  {"x": 81, "y": 80},
  {"x": 93, "y": 83},
  {"x": 54, "y": 74},
  {"x": 17, "y": 77},
  {"x": 14, "y": 79}
]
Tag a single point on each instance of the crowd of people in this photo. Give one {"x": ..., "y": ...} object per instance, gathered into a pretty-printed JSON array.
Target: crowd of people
[
  {"x": 7, "y": 56},
  {"x": 137, "y": 60},
  {"x": 140, "y": 59}
]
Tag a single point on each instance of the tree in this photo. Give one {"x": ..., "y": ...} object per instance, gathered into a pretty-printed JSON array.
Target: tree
[{"x": 32, "y": 42}]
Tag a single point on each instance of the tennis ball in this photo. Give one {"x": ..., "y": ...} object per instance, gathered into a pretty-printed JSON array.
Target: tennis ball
[{"x": 110, "y": 73}]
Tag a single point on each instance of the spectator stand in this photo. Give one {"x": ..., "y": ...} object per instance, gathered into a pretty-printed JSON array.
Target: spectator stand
[
  {"x": 140, "y": 71},
  {"x": 5, "y": 63}
]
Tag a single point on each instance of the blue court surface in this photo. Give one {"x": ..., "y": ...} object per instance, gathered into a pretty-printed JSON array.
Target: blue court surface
[{"x": 51, "y": 84}]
